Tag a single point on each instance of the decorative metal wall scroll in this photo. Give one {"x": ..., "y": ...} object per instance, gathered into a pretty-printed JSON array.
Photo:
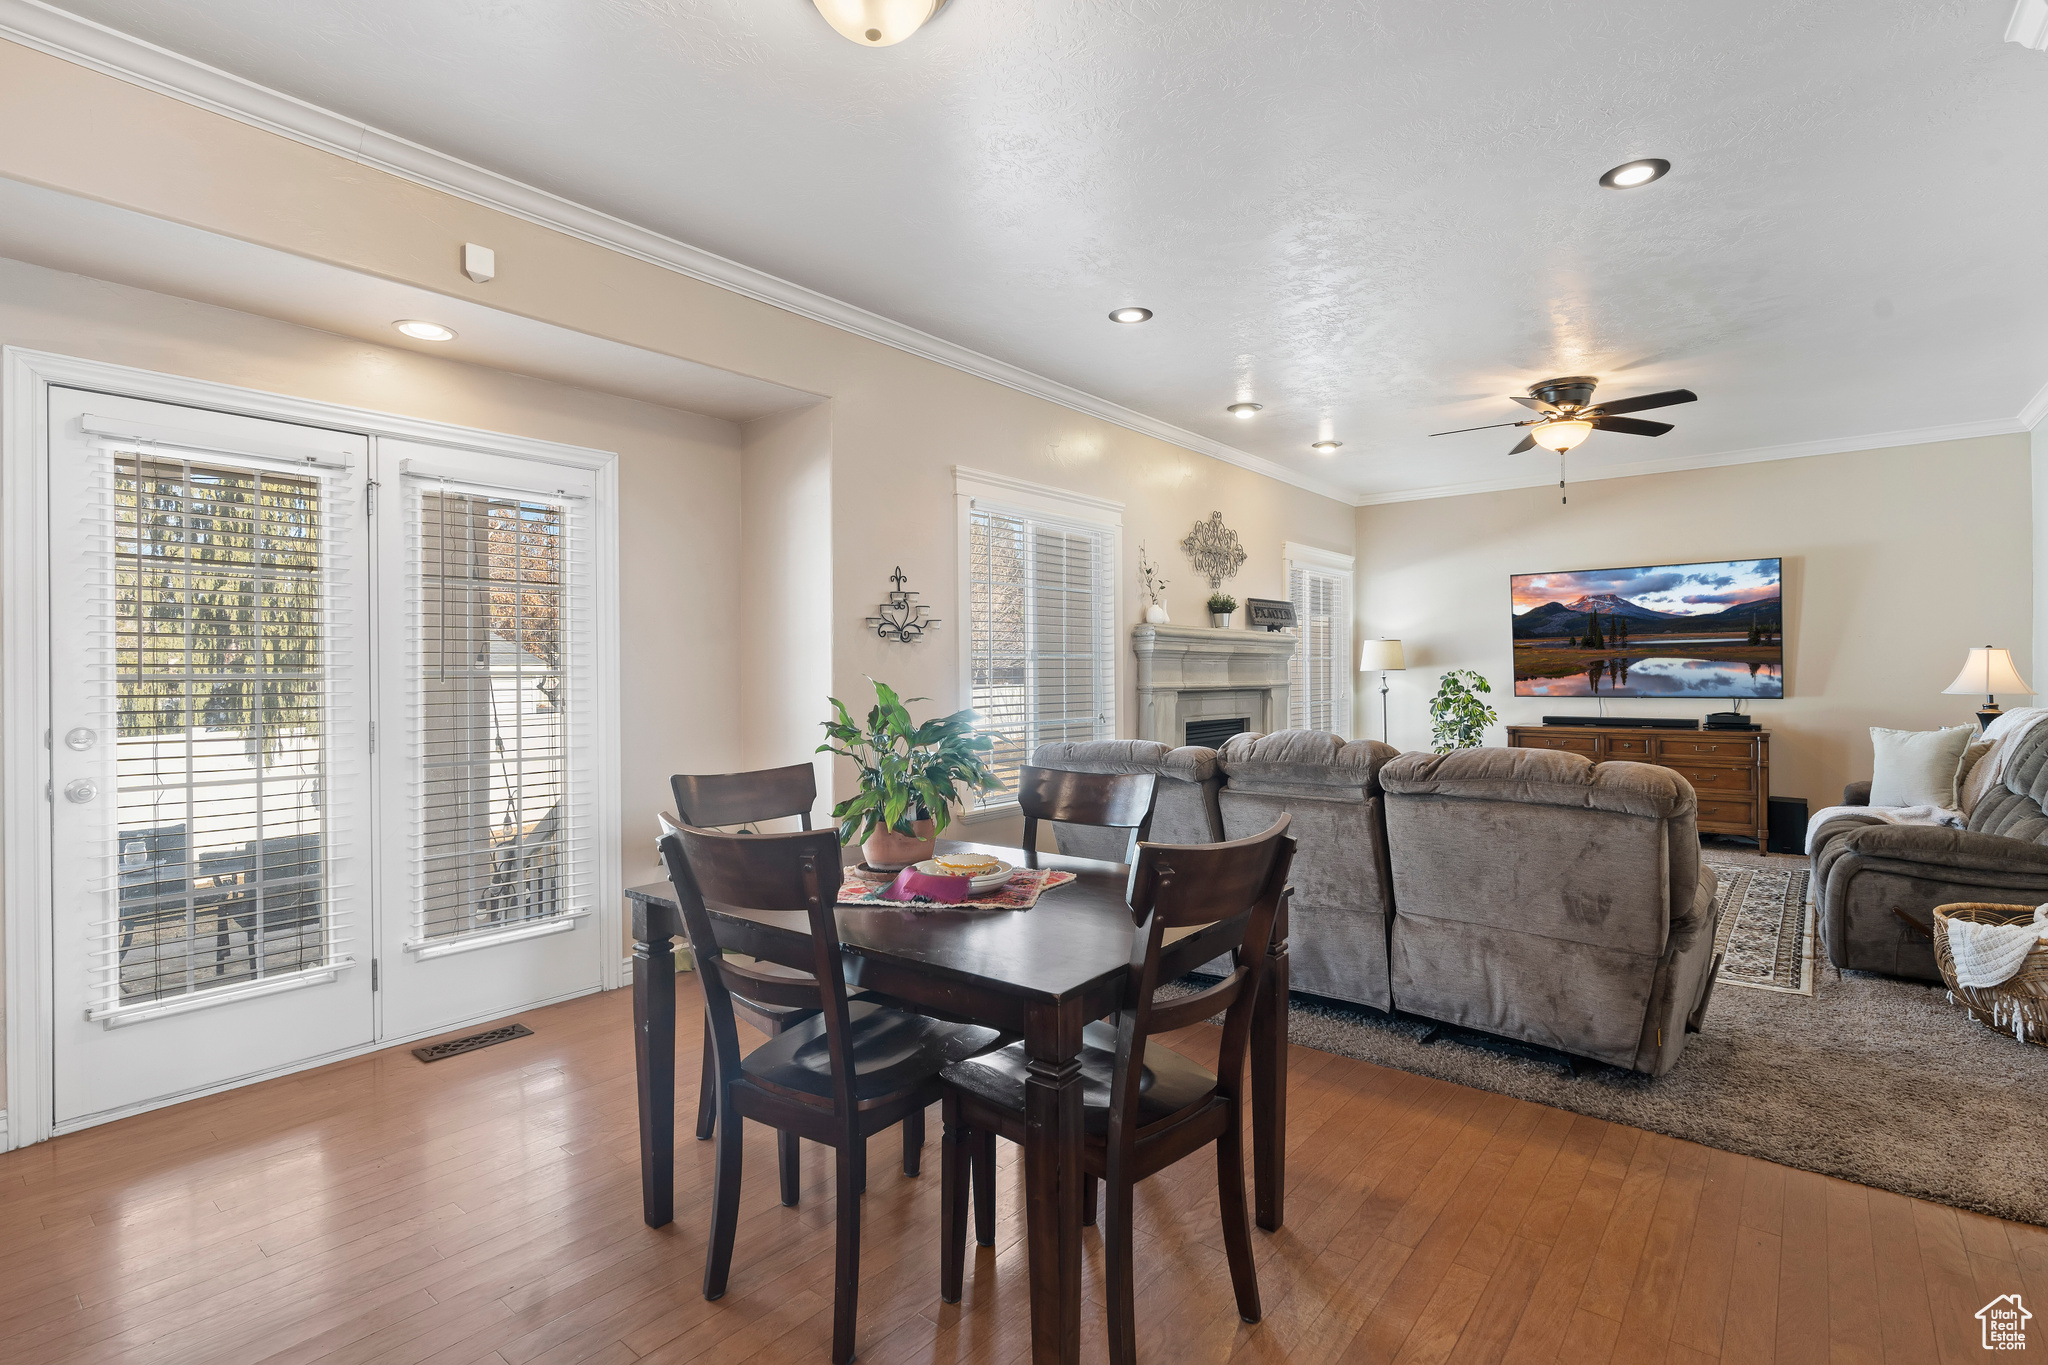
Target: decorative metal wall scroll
[
  {"x": 1215, "y": 550},
  {"x": 900, "y": 618}
]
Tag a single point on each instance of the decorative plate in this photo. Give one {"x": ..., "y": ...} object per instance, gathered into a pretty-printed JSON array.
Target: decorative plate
[{"x": 985, "y": 882}]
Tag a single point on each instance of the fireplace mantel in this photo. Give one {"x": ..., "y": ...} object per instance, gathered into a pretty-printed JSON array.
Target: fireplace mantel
[{"x": 1196, "y": 673}]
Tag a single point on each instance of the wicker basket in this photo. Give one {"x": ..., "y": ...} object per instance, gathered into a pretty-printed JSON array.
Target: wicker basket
[{"x": 2018, "y": 1006}]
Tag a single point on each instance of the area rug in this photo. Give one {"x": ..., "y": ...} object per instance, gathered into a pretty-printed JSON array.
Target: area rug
[{"x": 1766, "y": 933}]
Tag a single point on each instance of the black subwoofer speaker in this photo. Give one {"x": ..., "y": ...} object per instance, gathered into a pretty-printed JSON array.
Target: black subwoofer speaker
[{"x": 1788, "y": 824}]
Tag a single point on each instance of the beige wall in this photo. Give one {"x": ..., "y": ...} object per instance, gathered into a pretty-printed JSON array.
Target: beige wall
[
  {"x": 785, "y": 597},
  {"x": 1896, "y": 561},
  {"x": 679, "y": 486}
]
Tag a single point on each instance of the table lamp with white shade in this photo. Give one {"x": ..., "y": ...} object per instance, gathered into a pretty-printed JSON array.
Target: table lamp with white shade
[
  {"x": 1990, "y": 671},
  {"x": 1382, "y": 657}
]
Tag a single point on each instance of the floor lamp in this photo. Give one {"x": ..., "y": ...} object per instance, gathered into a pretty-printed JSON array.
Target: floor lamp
[{"x": 1382, "y": 657}]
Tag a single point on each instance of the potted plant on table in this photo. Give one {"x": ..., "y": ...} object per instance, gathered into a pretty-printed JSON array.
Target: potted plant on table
[
  {"x": 910, "y": 776},
  {"x": 1221, "y": 605}
]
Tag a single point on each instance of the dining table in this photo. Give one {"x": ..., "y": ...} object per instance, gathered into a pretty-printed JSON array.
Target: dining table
[{"x": 1039, "y": 974}]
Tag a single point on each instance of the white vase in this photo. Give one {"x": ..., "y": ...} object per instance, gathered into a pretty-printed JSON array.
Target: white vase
[{"x": 1156, "y": 615}]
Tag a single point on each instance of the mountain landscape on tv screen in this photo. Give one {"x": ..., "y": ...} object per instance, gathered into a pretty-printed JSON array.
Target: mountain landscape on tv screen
[{"x": 1710, "y": 630}]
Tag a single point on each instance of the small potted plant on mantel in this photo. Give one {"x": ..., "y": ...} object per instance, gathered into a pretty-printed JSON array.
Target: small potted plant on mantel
[
  {"x": 1221, "y": 605},
  {"x": 910, "y": 777}
]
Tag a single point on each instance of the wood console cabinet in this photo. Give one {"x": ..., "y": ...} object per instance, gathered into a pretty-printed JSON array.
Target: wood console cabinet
[{"x": 1730, "y": 769}]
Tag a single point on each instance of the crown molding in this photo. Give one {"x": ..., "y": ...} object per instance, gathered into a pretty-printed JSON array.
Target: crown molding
[
  {"x": 1840, "y": 445},
  {"x": 57, "y": 33},
  {"x": 2037, "y": 406}
]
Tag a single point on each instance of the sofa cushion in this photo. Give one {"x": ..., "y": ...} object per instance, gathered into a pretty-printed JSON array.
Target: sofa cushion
[
  {"x": 1543, "y": 777},
  {"x": 1311, "y": 763}
]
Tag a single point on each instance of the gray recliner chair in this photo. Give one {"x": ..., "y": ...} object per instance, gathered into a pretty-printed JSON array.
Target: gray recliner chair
[
  {"x": 1543, "y": 897},
  {"x": 1343, "y": 895},
  {"x": 1876, "y": 884},
  {"x": 1183, "y": 812}
]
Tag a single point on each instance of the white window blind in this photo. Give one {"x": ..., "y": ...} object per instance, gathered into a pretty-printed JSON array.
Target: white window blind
[
  {"x": 1320, "y": 672},
  {"x": 1041, "y": 611},
  {"x": 501, "y": 717},
  {"x": 221, "y": 605}
]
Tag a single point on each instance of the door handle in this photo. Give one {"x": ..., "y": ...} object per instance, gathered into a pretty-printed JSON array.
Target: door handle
[{"x": 80, "y": 790}]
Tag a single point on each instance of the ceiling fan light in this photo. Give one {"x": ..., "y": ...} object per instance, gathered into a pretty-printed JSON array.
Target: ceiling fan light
[
  {"x": 1561, "y": 436},
  {"x": 877, "y": 23}
]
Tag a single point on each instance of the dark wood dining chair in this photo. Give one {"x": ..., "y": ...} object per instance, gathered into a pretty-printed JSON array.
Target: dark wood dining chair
[
  {"x": 754, "y": 798},
  {"x": 1143, "y": 1106},
  {"x": 1109, "y": 800},
  {"x": 852, "y": 1069}
]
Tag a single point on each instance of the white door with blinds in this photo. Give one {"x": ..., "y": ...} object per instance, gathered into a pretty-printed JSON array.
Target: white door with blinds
[
  {"x": 208, "y": 731},
  {"x": 486, "y": 734},
  {"x": 1040, "y": 645},
  {"x": 1319, "y": 675}
]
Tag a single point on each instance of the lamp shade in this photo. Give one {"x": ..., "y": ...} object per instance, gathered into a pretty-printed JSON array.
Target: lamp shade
[
  {"x": 1986, "y": 673},
  {"x": 1381, "y": 656}
]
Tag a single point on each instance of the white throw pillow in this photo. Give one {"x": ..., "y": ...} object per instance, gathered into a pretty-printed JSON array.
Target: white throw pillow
[{"x": 1917, "y": 767}]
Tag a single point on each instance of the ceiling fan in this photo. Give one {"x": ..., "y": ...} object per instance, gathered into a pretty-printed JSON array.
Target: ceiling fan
[{"x": 1569, "y": 415}]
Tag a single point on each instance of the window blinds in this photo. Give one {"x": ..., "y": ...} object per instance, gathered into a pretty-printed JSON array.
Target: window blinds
[
  {"x": 1040, "y": 608},
  {"x": 219, "y": 595},
  {"x": 1319, "y": 697},
  {"x": 500, "y": 716}
]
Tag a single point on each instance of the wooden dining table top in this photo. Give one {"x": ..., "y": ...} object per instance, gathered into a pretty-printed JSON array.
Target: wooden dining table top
[{"x": 1075, "y": 940}]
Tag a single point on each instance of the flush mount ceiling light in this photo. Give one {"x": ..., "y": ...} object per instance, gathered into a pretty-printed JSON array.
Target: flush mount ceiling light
[
  {"x": 1630, "y": 174},
  {"x": 1326, "y": 446},
  {"x": 877, "y": 23},
  {"x": 425, "y": 331},
  {"x": 1243, "y": 409},
  {"x": 1131, "y": 315}
]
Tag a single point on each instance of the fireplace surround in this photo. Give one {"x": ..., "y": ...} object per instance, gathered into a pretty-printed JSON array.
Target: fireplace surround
[{"x": 1193, "y": 673}]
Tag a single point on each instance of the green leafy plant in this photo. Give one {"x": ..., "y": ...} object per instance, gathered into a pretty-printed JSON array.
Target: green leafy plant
[
  {"x": 1222, "y": 602},
  {"x": 907, "y": 770},
  {"x": 1457, "y": 718}
]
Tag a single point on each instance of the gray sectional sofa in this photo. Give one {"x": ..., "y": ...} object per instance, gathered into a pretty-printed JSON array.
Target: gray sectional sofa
[
  {"x": 1522, "y": 892},
  {"x": 1876, "y": 884}
]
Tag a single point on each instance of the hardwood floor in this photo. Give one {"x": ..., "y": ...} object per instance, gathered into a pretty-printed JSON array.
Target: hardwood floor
[{"x": 486, "y": 1209}]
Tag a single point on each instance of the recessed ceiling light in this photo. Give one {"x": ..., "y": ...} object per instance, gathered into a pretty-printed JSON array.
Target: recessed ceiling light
[
  {"x": 1243, "y": 409},
  {"x": 1131, "y": 315},
  {"x": 1326, "y": 446},
  {"x": 425, "y": 331},
  {"x": 1630, "y": 174}
]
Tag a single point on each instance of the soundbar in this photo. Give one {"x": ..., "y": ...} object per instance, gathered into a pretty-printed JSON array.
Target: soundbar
[{"x": 1639, "y": 723}]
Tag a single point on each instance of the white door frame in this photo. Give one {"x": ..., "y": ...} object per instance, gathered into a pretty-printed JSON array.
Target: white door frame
[{"x": 25, "y": 825}]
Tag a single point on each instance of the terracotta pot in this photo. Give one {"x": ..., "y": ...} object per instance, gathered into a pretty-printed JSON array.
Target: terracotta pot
[{"x": 889, "y": 851}]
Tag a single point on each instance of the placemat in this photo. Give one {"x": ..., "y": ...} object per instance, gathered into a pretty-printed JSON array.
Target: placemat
[{"x": 1019, "y": 893}]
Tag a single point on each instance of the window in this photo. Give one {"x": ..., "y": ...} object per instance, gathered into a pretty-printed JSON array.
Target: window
[
  {"x": 501, "y": 586},
  {"x": 1319, "y": 586},
  {"x": 1039, "y": 584}
]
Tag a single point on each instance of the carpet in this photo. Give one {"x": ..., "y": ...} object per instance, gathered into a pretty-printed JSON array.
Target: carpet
[
  {"x": 1878, "y": 1081},
  {"x": 1766, "y": 933}
]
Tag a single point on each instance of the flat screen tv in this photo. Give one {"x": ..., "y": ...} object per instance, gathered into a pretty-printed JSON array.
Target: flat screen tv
[{"x": 1660, "y": 630}]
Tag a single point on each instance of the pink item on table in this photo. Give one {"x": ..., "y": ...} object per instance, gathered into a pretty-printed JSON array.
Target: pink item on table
[{"x": 910, "y": 882}]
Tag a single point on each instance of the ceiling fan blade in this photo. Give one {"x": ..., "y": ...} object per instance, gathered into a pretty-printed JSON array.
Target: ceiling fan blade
[
  {"x": 1488, "y": 427},
  {"x": 1528, "y": 443},
  {"x": 1634, "y": 426},
  {"x": 1649, "y": 400},
  {"x": 1528, "y": 402}
]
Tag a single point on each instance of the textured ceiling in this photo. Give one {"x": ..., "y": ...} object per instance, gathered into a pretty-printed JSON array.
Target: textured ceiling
[{"x": 1373, "y": 218}]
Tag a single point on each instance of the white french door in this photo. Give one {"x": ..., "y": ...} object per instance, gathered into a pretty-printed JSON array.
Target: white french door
[
  {"x": 324, "y": 736},
  {"x": 209, "y": 720}
]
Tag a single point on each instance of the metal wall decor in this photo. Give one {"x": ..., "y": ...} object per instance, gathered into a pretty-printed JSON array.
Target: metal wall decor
[
  {"x": 1215, "y": 550},
  {"x": 900, "y": 618}
]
